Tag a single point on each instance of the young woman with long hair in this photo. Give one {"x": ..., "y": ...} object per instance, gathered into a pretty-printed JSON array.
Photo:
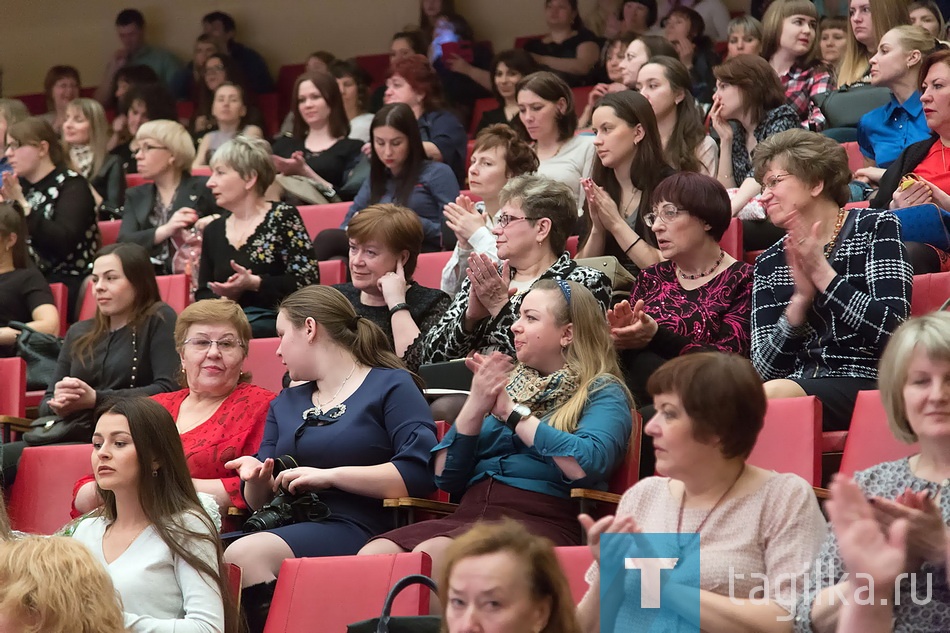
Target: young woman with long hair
[
  {"x": 664, "y": 81},
  {"x": 85, "y": 136},
  {"x": 507, "y": 69},
  {"x": 229, "y": 110},
  {"x": 868, "y": 21},
  {"x": 152, "y": 534},
  {"x": 629, "y": 164}
]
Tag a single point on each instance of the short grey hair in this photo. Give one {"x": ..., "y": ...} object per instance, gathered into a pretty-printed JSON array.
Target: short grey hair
[
  {"x": 542, "y": 197},
  {"x": 248, "y": 157},
  {"x": 930, "y": 334},
  {"x": 172, "y": 135}
]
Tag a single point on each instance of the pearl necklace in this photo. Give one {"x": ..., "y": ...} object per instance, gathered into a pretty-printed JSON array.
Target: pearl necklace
[{"x": 320, "y": 405}]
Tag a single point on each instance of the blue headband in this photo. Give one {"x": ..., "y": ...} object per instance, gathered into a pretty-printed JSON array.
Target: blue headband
[{"x": 565, "y": 290}]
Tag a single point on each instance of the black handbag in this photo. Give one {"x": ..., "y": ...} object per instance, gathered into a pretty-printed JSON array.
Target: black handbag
[
  {"x": 386, "y": 623},
  {"x": 40, "y": 351},
  {"x": 52, "y": 429},
  {"x": 845, "y": 107}
]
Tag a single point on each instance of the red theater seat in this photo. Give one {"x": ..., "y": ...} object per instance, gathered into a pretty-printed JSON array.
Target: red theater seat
[
  {"x": 481, "y": 107},
  {"x": 870, "y": 440},
  {"x": 574, "y": 563},
  {"x": 12, "y": 400},
  {"x": 931, "y": 291},
  {"x": 317, "y": 217},
  {"x": 61, "y": 301},
  {"x": 266, "y": 368},
  {"x": 376, "y": 66},
  {"x": 41, "y": 496},
  {"x": 332, "y": 272},
  {"x": 429, "y": 268},
  {"x": 855, "y": 157},
  {"x": 109, "y": 230},
  {"x": 790, "y": 441},
  {"x": 324, "y": 595},
  {"x": 731, "y": 241},
  {"x": 175, "y": 290}
]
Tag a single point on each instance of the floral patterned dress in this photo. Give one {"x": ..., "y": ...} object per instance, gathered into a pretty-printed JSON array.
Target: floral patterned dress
[{"x": 279, "y": 251}]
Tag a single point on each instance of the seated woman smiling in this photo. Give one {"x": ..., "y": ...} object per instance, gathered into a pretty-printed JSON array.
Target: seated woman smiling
[{"x": 758, "y": 530}]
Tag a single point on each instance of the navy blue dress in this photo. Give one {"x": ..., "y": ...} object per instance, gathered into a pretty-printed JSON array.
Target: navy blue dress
[{"x": 386, "y": 420}]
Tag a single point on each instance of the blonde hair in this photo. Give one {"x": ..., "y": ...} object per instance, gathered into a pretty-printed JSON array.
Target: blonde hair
[
  {"x": 885, "y": 15},
  {"x": 930, "y": 334},
  {"x": 99, "y": 131},
  {"x": 248, "y": 157},
  {"x": 536, "y": 559},
  {"x": 13, "y": 111},
  {"x": 591, "y": 353},
  {"x": 54, "y": 585},
  {"x": 915, "y": 38},
  {"x": 172, "y": 135}
]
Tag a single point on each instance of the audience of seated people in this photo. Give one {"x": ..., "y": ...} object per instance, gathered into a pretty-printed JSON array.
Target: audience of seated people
[
  {"x": 167, "y": 216},
  {"x": 790, "y": 44},
  {"x": 318, "y": 148},
  {"x": 356, "y": 431},
  {"x": 628, "y": 166},
  {"x": 825, "y": 298},
  {"x": 922, "y": 162},
  {"x": 548, "y": 120},
  {"x": 384, "y": 245},
  {"x": 85, "y": 136},
  {"x": 218, "y": 413},
  {"x": 260, "y": 251},
  {"x": 61, "y": 86},
  {"x": 400, "y": 173},
  {"x": 58, "y": 204},
  {"x": 664, "y": 81},
  {"x": 24, "y": 294},
  {"x": 498, "y": 155},
  {"x": 757, "y": 530},
  {"x": 814, "y": 314},
  {"x": 558, "y": 418}
]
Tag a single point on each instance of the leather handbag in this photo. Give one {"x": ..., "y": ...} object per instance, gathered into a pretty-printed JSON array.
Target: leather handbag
[
  {"x": 41, "y": 353},
  {"x": 620, "y": 277},
  {"x": 53, "y": 429},
  {"x": 386, "y": 623},
  {"x": 845, "y": 107}
]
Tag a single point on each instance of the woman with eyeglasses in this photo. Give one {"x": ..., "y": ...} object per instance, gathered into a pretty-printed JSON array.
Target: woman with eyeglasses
[
  {"x": 358, "y": 427},
  {"x": 220, "y": 69},
  {"x": 218, "y": 412},
  {"x": 58, "y": 204},
  {"x": 826, "y": 297},
  {"x": 167, "y": 215},
  {"x": 697, "y": 298}
]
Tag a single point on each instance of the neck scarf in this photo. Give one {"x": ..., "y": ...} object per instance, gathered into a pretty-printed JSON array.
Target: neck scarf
[
  {"x": 542, "y": 394},
  {"x": 82, "y": 159}
]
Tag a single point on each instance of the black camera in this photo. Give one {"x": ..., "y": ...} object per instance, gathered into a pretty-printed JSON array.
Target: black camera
[{"x": 286, "y": 508}]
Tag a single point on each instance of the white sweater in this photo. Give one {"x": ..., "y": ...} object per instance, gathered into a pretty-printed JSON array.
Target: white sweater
[{"x": 160, "y": 592}]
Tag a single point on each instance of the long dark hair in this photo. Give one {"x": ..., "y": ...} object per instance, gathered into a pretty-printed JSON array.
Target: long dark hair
[
  {"x": 331, "y": 309},
  {"x": 515, "y": 59},
  {"x": 12, "y": 222},
  {"x": 232, "y": 74},
  {"x": 688, "y": 132},
  {"x": 648, "y": 167},
  {"x": 166, "y": 491},
  {"x": 138, "y": 269},
  {"x": 398, "y": 116},
  {"x": 326, "y": 85}
]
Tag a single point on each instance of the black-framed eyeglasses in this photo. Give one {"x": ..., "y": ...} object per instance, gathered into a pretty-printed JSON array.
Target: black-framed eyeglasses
[
  {"x": 504, "y": 219},
  {"x": 665, "y": 213}
]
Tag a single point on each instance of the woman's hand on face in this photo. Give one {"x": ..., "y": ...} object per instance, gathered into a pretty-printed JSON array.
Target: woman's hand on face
[
  {"x": 611, "y": 524},
  {"x": 119, "y": 124},
  {"x": 918, "y": 193},
  {"x": 490, "y": 375},
  {"x": 393, "y": 286},
  {"x": 719, "y": 122},
  {"x": 462, "y": 217},
  {"x": 596, "y": 93},
  {"x": 303, "y": 479},
  {"x": 251, "y": 469},
  {"x": 490, "y": 286},
  {"x": 925, "y": 531}
]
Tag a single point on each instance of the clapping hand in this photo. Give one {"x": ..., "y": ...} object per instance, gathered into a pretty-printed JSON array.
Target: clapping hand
[
  {"x": 490, "y": 375},
  {"x": 612, "y": 524},
  {"x": 604, "y": 212},
  {"x": 293, "y": 166},
  {"x": 234, "y": 287},
  {"x": 631, "y": 328},
  {"x": 11, "y": 191},
  {"x": 488, "y": 285},
  {"x": 925, "y": 531},
  {"x": 464, "y": 219}
]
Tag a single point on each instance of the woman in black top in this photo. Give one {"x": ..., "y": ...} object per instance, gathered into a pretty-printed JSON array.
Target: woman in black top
[
  {"x": 685, "y": 28},
  {"x": 507, "y": 69},
  {"x": 568, "y": 49},
  {"x": 59, "y": 207},
  {"x": 143, "y": 103},
  {"x": 318, "y": 148},
  {"x": 24, "y": 294},
  {"x": 385, "y": 241}
]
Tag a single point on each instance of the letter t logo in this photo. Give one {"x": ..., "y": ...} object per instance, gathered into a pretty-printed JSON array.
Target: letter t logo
[{"x": 650, "y": 578}]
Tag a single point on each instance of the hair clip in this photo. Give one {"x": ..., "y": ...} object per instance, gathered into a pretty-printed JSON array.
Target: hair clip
[{"x": 565, "y": 290}]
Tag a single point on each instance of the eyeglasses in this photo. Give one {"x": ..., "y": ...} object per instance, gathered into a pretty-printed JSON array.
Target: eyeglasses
[
  {"x": 217, "y": 68},
  {"x": 15, "y": 145},
  {"x": 225, "y": 345},
  {"x": 145, "y": 148},
  {"x": 666, "y": 213},
  {"x": 770, "y": 183},
  {"x": 504, "y": 219}
]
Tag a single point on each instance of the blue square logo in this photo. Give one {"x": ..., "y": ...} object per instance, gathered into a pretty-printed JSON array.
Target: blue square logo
[{"x": 649, "y": 583}]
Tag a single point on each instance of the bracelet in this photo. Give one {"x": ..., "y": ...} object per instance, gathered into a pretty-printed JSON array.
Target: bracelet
[
  {"x": 627, "y": 250},
  {"x": 398, "y": 307}
]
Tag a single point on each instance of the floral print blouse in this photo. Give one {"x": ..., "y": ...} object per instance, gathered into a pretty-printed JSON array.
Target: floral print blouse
[
  {"x": 279, "y": 251},
  {"x": 64, "y": 236}
]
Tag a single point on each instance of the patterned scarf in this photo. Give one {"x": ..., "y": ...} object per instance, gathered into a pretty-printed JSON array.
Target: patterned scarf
[
  {"x": 542, "y": 394},
  {"x": 82, "y": 159}
]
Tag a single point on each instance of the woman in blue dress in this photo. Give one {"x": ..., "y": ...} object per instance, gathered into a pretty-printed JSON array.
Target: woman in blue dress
[{"x": 359, "y": 428}]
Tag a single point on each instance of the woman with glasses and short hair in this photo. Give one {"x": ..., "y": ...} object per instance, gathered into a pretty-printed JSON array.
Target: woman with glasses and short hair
[{"x": 827, "y": 296}]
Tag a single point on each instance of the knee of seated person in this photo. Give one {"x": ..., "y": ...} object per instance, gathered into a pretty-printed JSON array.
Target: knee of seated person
[
  {"x": 783, "y": 388},
  {"x": 380, "y": 546}
]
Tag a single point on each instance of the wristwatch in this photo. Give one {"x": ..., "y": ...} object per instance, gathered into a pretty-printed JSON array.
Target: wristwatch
[{"x": 519, "y": 413}]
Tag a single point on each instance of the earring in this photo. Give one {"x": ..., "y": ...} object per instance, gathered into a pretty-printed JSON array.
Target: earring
[{"x": 155, "y": 473}]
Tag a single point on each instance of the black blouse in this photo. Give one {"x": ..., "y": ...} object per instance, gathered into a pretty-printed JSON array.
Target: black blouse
[
  {"x": 565, "y": 50},
  {"x": 332, "y": 164},
  {"x": 22, "y": 290}
]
